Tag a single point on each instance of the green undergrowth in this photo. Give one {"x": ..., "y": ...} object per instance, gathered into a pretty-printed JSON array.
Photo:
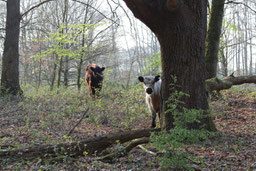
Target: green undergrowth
[
  {"x": 171, "y": 143},
  {"x": 45, "y": 117},
  {"x": 244, "y": 89}
]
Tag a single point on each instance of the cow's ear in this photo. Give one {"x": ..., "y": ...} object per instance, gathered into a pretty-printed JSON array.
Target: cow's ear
[
  {"x": 103, "y": 68},
  {"x": 141, "y": 79},
  {"x": 157, "y": 78}
]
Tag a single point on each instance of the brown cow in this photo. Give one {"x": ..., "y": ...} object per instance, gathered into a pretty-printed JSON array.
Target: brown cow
[{"x": 94, "y": 77}]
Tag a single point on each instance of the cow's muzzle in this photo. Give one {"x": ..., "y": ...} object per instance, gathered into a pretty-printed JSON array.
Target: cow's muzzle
[{"x": 149, "y": 90}]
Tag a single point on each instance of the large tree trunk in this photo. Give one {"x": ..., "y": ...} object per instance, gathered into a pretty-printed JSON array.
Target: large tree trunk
[
  {"x": 10, "y": 70},
  {"x": 213, "y": 37},
  {"x": 180, "y": 27}
]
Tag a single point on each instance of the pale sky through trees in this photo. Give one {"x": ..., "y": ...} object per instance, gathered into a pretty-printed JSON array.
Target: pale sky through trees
[{"x": 134, "y": 42}]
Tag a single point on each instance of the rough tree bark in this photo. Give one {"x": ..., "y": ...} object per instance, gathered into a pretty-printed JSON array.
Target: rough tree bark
[
  {"x": 10, "y": 67},
  {"x": 213, "y": 37},
  {"x": 180, "y": 26}
]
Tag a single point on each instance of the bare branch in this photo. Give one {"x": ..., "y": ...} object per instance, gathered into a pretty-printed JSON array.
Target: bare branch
[
  {"x": 36, "y": 6},
  {"x": 95, "y": 10},
  {"x": 127, "y": 15},
  {"x": 241, "y": 3},
  {"x": 70, "y": 132}
]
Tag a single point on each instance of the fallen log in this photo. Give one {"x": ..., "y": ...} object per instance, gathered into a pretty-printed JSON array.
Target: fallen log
[
  {"x": 228, "y": 82},
  {"x": 90, "y": 146}
]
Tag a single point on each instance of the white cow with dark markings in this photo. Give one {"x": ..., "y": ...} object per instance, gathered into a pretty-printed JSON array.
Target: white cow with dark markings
[{"x": 152, "y": 86}]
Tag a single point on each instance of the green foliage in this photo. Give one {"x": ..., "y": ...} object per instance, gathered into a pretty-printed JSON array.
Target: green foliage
[
  {"x": 118, "y": 106},
  {"x": 229, "y": 25},
  {"x": 172, "y": 142},
  {"x": 45, "y": 117},
  {"x": 62, "y": 41},
  {"x": 154, "y": 64},
  {"x": 253, "y": 94}
]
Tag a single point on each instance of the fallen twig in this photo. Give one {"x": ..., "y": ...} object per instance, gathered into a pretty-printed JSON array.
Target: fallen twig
[
  {"x": 147, "y": 151},
  {"x": 70, "y": 132}
]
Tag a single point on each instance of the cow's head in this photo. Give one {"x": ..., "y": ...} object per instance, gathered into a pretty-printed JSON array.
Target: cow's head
[
  {"x": 98, "y": 71},
  {"x": 149, "y": 82}
]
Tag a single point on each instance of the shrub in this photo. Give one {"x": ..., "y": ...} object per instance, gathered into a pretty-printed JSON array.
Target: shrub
[{"x": 171, "y": 142}]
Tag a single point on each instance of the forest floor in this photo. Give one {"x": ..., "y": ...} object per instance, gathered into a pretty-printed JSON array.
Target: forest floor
[{"x": 46, "y": 118}]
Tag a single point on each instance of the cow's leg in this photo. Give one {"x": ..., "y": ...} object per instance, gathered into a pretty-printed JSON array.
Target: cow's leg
[
  {"x": 159, "y": 117},
  {"x": 89, "y": 84},
  {"x": 153, "y": 120},
  {"x": 93, "y": 90}
]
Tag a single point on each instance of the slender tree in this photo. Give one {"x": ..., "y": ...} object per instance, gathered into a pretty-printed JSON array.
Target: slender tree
[
  {"x": 180, "y": 27},
  {"x": 213, "y": 37}
]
